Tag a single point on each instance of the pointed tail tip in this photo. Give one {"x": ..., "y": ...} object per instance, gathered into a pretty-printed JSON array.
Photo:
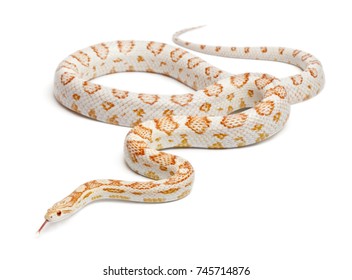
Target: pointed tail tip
[
  {"x": 200, "y": 26},
  {"x": 179, "y": 33},
  {"x": 193, "y": 28}
]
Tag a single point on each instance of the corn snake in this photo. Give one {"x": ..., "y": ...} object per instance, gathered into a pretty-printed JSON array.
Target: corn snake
[{"x": 203, "y": 118}]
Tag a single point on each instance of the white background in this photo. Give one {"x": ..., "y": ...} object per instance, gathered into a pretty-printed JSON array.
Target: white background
[{"x": 282, "y": 207}]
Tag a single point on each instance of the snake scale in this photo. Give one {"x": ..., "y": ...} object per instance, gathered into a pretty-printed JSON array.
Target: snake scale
[{"x": 203, "y": 118}]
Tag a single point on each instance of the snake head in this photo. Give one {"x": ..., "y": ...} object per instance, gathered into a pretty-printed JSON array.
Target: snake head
[{"x": 59, "y": 211}]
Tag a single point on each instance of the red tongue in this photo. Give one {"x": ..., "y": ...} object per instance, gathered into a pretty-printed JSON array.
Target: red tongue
[{"x": 42, "y": 226}]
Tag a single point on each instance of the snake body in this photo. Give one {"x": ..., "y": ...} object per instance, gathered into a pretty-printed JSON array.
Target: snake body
[{"x": 202, "y": 118}]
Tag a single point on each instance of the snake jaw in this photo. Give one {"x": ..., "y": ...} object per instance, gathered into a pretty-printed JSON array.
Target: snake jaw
[{"x": 55, "y": 214}]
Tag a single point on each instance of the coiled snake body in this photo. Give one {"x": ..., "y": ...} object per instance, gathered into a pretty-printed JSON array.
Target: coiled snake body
[{"x": 199, "y": 119}]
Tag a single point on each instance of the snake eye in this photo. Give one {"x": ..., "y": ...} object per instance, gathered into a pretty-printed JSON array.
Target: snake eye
[{"x": 58, "y": 213}]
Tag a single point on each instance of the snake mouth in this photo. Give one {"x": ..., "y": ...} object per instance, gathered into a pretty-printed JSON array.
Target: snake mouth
[{"x": 55, "y": 215}]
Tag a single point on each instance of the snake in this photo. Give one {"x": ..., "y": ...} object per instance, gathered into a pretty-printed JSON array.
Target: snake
[{"x": 223, "y": 110}]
